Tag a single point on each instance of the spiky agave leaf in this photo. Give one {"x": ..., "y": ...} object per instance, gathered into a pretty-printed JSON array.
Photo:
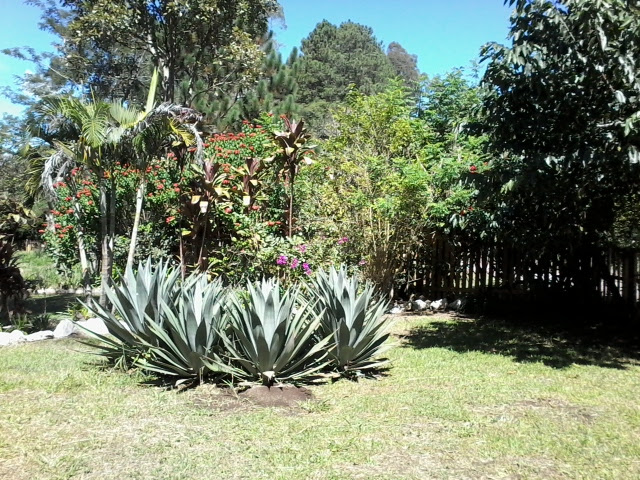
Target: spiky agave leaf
[
  {"x": 137, "y": 304},
  {"x": 272, "y": 342},
  {"x": 189, "y": 337},
  {"x": 355, "y": 321}
]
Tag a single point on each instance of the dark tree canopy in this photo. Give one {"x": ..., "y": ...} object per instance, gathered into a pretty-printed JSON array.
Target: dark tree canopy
[
  {"x": 335, "y": 57},
  {"x": 561, "y": 110},
  {"x": 200, "y": 48}
]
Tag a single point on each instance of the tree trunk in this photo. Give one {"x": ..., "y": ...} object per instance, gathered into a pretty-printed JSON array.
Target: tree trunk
[
  {"x": 82, "y": 249},
  {"x": 107, "y": 227},
  {"x": 136, "y": 224}
]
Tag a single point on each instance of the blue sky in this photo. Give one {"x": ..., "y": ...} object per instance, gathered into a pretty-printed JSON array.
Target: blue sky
[{"x": 444, "y": 34}]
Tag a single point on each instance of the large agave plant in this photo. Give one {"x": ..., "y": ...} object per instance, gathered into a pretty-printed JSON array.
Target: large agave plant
[
  {"x": 137, "y": 304},
  {"x": 355, "y": 320},
  {"x": 272, "y": 340},
  {"x": 188, "y": 338},
  {"x": 165, "y": 326}
]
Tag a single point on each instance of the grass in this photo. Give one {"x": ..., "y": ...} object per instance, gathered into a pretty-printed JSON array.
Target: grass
[
  {"x": 464, "y": 399},
  {"x": 39, "y": 270}
]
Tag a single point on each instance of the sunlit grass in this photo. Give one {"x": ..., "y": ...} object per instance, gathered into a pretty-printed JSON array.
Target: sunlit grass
[{"x": 446, "y": 409}]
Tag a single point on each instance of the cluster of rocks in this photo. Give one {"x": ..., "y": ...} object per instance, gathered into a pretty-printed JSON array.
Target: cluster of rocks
[
  {"x": 421, "y": 304},
  {"x": 58, "y": 291},
  {"x": 65, "y": 328}
]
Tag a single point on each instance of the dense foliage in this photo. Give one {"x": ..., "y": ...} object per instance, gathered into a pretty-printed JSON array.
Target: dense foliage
[{"x": 561, "y": 111}]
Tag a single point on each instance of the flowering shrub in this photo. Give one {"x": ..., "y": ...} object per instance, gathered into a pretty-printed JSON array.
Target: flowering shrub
[{"x": 76, "y": 213}]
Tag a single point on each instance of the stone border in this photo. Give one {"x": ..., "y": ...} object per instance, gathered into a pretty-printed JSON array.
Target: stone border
[{"x": 65, "y": 328}]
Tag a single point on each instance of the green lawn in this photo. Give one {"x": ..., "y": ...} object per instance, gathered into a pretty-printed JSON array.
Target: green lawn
[{"x": 464, "y": 399}]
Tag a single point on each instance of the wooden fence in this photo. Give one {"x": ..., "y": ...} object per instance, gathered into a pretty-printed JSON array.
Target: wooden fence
[{"x": 444, "y": 269}]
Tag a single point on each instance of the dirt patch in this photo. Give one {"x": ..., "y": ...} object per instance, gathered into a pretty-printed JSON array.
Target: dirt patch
[
  {"x": 286, "y": 396},
  {"x": 228, "y": 400},
  {"x": 551, "y": 408}
]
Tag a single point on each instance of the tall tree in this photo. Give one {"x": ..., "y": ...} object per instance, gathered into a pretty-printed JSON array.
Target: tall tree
[
  {"x": 334, "y": 58},
  {"x": 275, "y": 91},
  {"x": 198, "y": 47},
  {"x": 404, "y": 64},
  {"x": 561, "y": 108}
]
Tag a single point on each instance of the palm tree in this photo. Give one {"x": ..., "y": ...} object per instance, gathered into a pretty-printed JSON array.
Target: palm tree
[{"x": 97, "y": 134}]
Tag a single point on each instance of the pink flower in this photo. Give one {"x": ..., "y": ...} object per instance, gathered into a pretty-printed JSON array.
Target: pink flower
[
  {"x": 302, "y": 248},
  {"x": 294, "y": 263},
  {"x": 343, "y": 240},
  {"x": 282, "y": 260}
]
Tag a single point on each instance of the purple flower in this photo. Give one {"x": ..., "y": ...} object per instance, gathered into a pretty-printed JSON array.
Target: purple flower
[
  {"x": 282, "y": 260},
  {"x": 362, "y": 262},
  {"x": 306, "y": 268},
  {"x": 302, "y": 248},
  {"x": 343, "y": 240},
  {"x": 294, "y": 263}
]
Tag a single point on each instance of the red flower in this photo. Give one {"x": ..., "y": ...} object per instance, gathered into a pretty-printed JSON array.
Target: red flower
[
  {"x": 90, "y": 202},
  {"x": 177, "y": 190},
  {"x": 473, "y": 169},
  {"x": 170, "y": 219},
  {"x": 228, "y": 210},
  {"x": 41, "y": 231},
  {"x": 70, "y": 210}
]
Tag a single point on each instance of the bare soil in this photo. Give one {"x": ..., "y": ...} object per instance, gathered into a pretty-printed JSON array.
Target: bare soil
[{"x": 283, "y": 396}]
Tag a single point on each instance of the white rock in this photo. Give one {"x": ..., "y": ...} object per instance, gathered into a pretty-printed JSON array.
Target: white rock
[
  {"x": 64, "y": 329},
  {"x": 37, "y": 336},
  {"x": 396, "y": 310},
  {"x": 95, "y": 325},
  {"x": 79, "y": 291},
  {"x": 457, "y": 304},
  {"x": 5, "y": 339},
  {"x": 439, "y": 304},
  {"x": 17, "y": 336},
  {"x": 40, "y": 291},
  {"x": 420, "y": 305},
  {"x": 50, "y": 291}
]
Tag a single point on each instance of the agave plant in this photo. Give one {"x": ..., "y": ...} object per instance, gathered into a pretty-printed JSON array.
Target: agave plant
[
  {"x": 165, "y": 326},
  {"x": 137, "y": 303},
  {"x": 355, "y": 320},
  {"x": 189, "y": 335},
  {"x": 272, "y": 340}
]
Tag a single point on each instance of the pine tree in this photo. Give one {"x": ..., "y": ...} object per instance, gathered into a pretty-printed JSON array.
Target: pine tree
[
  {"x": 275, "y": 91},
  {"x": 333, "y": 59}
]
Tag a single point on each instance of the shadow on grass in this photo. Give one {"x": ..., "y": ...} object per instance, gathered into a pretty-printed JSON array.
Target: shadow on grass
[{"x": 552, "y": 343}]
